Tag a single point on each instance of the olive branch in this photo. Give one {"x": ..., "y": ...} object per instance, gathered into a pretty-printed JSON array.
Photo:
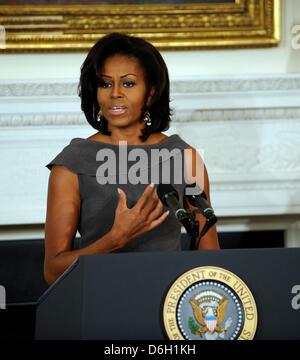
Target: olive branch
[{"x": 192, "y": 326}]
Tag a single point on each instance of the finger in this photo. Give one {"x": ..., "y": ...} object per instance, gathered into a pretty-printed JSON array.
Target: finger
[
  {"x": 155, "y": 196},
  {"x": 145, "y": 196},
  {"x": 153, "y": 202},
  {"x": 122, "y": 198},
  {"x": 159, "y": 220},
  {"x": 156, "y": 211},
  {"x": 152, "y": 224}
]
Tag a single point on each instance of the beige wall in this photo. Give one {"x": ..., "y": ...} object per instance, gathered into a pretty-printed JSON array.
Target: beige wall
[{"x": 279, "y": 60}]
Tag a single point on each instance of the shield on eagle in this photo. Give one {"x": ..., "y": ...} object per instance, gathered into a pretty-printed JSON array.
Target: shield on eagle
[{"x": 211, "y": 323}]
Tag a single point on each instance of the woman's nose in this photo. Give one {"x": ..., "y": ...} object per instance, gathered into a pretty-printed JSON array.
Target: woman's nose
[{"x": 116, "y": 91}]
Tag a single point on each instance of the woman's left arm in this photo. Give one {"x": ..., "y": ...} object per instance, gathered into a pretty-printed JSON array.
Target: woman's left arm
[{"x": 196, "y": 173}]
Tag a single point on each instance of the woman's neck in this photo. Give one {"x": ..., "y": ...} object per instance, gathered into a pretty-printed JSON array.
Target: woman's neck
[{"x": 131, "y": 139}]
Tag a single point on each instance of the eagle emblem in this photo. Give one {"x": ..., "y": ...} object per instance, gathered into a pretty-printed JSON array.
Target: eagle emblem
[{"x": 209, "y": 308}]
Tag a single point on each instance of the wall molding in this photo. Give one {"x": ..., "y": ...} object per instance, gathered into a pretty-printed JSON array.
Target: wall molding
[
  {"x": 248, "y": 127},
  {"x": 211, "y": 84},
  {"x": 55, "y": 102},
  {"x": 180, "y": 116}
]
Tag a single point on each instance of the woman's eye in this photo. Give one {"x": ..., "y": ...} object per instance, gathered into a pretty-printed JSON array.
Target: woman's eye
[
  {"x": 103, "y": 84},
  {"x": 129, "y": 84}
]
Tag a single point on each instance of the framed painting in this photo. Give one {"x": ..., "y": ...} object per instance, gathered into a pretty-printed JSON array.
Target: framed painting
[{"x": 75, "y": 25}]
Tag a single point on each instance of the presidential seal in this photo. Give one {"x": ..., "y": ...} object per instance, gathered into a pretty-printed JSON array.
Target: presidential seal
[{"x": 209, "y": 303}]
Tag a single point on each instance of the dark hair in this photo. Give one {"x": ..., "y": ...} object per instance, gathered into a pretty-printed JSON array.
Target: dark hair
[{"x": 156, "y": 74}]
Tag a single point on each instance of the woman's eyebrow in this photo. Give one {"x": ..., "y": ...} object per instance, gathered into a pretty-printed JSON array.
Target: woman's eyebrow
[{"x": 122, "y": 76}]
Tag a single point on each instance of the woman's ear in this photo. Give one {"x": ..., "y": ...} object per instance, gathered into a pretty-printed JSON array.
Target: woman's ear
[{"x": 150, "y": 95}]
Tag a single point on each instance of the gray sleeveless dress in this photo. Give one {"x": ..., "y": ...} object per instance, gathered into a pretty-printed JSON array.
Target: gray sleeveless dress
[{"x": 103, "y": 167}]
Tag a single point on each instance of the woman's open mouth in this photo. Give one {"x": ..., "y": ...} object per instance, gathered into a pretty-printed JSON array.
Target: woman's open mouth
[{"x": 117, "y": 110}]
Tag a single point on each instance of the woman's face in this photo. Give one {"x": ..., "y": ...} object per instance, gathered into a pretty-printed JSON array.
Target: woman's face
[{"x": 122, "y": 93}]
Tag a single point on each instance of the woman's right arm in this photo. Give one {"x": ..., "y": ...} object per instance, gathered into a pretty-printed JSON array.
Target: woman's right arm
[{"x": 63, "y": 212}]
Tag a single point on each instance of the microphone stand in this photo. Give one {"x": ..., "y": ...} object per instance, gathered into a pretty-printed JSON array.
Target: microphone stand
[
  {"x": 193, "y": 226},
  {"x": 169, "y": 197},
  {"x": 211, "y": 219},
  {"x": 188, "y": 219},
  {"x": 206, "y": 211}
]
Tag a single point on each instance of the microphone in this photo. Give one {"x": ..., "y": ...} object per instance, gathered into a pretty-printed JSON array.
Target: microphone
[
  {"x": 198, "y": 198},
  {"x": 169, "y": 197}
]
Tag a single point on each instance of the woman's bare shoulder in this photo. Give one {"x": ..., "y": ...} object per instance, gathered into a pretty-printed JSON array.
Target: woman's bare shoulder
[{"x": 63, "y": 179}]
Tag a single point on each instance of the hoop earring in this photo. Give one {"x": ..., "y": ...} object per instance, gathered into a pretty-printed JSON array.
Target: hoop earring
[{"x": 147, "y": 118}]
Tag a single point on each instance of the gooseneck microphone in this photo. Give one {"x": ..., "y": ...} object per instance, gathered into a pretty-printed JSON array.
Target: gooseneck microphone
[
  {"x": 197, "y": 197},
  {"x": 169, "y": 197}
]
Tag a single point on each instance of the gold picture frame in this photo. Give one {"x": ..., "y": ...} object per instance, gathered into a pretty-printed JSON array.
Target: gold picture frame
[{"x": 75, "y": 28}]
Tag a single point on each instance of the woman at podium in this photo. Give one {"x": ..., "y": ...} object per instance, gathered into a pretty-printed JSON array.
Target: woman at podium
[{"x": 105, "y": 186}]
